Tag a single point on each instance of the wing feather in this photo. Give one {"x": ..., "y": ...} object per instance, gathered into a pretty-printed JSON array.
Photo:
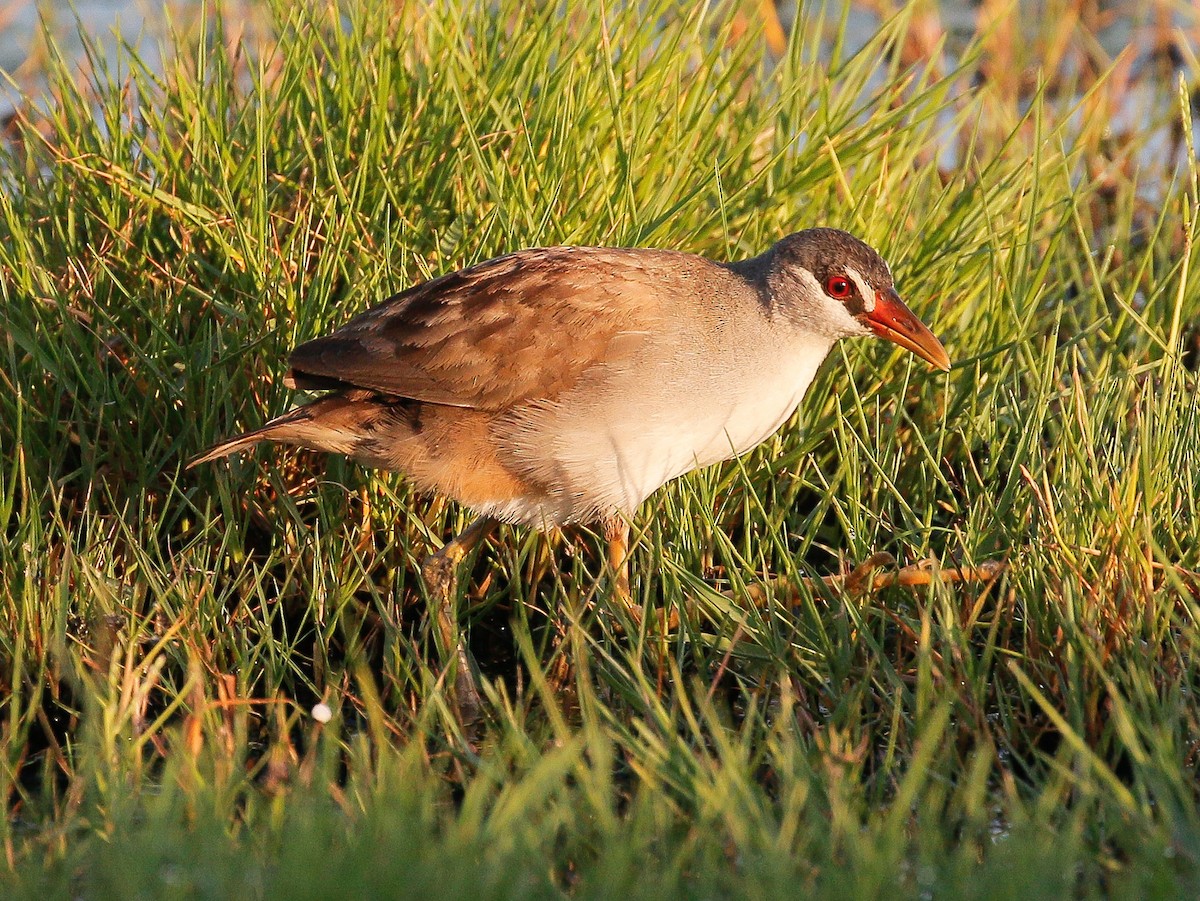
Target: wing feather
[{"x": 519, "y": 327}]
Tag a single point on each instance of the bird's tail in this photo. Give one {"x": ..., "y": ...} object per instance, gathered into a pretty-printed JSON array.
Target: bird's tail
[
  {"x": 353, "y": 423},
  {"x": 279, "y": 428}
]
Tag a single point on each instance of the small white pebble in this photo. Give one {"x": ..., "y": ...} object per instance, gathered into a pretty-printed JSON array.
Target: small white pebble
[{"x": 321, "y": 713}]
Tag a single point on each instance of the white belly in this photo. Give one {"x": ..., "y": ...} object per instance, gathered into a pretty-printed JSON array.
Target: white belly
[{"x": 609, "y": 446}]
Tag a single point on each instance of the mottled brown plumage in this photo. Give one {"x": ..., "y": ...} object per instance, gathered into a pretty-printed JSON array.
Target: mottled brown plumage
[
  {"x": 447, "y": 380},
  {"x": 519, "y": 327}
]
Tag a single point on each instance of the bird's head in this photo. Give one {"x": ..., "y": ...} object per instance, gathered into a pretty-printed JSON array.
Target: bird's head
[{"x": 830, "y": 282}]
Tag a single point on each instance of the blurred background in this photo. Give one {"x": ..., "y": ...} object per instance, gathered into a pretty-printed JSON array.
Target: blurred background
[{"x": 1148, "y": 46}]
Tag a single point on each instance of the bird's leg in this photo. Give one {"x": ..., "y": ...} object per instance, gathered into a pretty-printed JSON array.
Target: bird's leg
[
  {"x": 440, "y": 572},
  {"x": 616, "y": 534}
]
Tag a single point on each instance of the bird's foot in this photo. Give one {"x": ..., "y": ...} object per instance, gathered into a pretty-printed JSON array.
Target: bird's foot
[
  {"x": 468, "y": 702},
  {"x": 440, "y": 572}
]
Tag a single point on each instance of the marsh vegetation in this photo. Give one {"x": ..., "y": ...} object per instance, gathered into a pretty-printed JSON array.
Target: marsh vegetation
[{"x": 166, "y": 236}]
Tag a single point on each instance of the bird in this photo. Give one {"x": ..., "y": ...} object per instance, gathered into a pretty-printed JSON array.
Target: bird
[{"x": 564, "y": 385}]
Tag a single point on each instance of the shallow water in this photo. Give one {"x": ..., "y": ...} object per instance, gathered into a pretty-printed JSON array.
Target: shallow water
[{"x": 110, "y": 21}]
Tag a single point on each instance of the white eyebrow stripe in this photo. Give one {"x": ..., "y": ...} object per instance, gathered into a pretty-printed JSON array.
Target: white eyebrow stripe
[
  {"x": 865, "y": 291},
  {"x": 809, "y": 280}
]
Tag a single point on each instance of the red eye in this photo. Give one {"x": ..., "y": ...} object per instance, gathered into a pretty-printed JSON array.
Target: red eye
[{"x": 838, "y": 287}]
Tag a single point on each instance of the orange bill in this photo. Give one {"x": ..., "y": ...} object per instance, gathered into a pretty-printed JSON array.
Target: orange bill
[{"x": 891, "y": 319}]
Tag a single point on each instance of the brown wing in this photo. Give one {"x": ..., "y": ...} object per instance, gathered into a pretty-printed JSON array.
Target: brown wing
[{"x": 518, "y": 327}]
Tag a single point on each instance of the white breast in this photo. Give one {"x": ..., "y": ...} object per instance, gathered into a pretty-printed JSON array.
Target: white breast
[{"x": 612, "y": 441}]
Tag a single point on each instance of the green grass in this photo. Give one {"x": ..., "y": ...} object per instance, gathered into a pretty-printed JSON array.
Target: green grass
[{"x": 165, "y": 239}]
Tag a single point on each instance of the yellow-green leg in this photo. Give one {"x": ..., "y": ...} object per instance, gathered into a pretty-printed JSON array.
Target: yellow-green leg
[
  {"x": 440, "y": 572},
  {"x": 616, "y": 534}
]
